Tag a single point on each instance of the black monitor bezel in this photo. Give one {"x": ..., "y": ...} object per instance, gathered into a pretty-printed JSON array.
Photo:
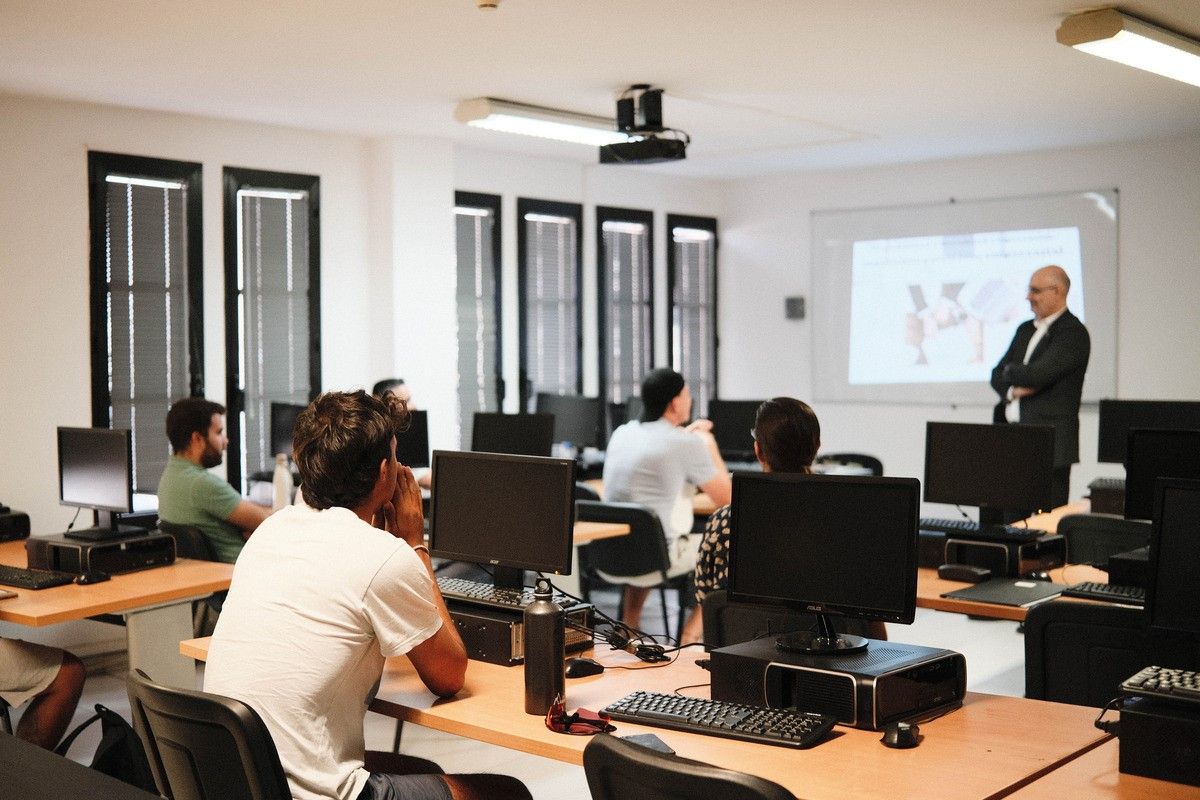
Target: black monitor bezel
[
  {"x": 595, "y": 412},
  {"x": 934, "y": 493},
  {"x": 903, "y": 616},
  {"x": 565, "y": 557},
  {"x": 739, "y": 432},
  {"x": 106, "y": 433},
  {"x": 276, "y": 432},
  {"x": 541, "y": 425},
  {"x": 1152, "y": 578},
  {"x": 1132, "y": 479},
  {"x": 1112, "y": 440},
  {"x": 418, "y": 426}
]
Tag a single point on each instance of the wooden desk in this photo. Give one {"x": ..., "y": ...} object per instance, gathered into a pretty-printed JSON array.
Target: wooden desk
[
  {"x": 155, "y": 603},
  {"x": 1094, "y": 775},
  {"x": 985, "y": 749}
]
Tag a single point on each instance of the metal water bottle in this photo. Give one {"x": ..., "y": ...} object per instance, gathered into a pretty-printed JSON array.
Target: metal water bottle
[
  {"x": 545, "y": 631},
  {"x": 281, "y": 483}
]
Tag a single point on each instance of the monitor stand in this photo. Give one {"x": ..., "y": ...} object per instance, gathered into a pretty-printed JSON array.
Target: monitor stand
[
  {"x": 107, "y": 527},
  {"x": 824, "y": 641},
  {"x": 508, "y": 578}
]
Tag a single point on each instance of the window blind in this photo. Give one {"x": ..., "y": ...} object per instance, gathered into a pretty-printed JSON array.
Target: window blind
[
  {"x": 478, "y": 326},
  {"x": 551, "y": 295},
  {"x": 626, "y": 324},
  {"x": 693, "y": 311}
]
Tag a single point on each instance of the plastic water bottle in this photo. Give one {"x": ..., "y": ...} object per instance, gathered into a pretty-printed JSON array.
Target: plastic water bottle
[
  {"x": 281, "y": 482},
  {"x": 545, "y": 631}
]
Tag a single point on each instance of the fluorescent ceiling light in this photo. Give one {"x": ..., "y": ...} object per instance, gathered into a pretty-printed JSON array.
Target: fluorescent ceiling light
[
  {"x": 1119, "y": 37},
  {"x": 546, "y": 123}
]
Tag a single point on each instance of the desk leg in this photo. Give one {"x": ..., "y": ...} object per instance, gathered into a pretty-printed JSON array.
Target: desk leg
[{"x": 154, "y": 635}]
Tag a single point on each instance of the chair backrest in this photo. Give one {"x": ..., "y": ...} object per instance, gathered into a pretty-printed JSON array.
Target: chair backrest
[
  {"x": 727, "y": 623},
  {"x": 585, "y": 492},
  {"x": 203, "y": 746},
  {"x": 617, "y": 769},
  {"x": 190, "y": 541},
  {"x": 643, "y": 550},
  {"x": 1080, "y": 652},
  {"x": 1092, "y": 538},
  {"x": 853, "y": 460}
]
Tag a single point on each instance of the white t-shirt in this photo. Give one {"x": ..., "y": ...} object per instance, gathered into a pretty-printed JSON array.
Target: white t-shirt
[
  {"x": 658, "y": 465},
  {"x": 318, "y": 599}
]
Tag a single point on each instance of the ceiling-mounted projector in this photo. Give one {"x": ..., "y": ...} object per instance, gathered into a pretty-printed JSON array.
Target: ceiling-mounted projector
[{"x": 639, "y": 114}]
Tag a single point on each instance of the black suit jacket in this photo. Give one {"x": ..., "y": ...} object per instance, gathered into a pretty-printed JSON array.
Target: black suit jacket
[{"x": 1055, "y": 373}]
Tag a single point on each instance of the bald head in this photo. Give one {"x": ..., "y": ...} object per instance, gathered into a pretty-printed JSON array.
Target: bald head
[{"x": 1048, "y": 291}]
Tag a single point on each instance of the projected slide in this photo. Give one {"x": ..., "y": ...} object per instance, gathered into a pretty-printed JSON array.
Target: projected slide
[{"x": 942, "y": 309}]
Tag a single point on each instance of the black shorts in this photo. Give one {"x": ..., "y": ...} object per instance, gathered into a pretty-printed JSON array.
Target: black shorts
[{"x": 384, "y": 786}]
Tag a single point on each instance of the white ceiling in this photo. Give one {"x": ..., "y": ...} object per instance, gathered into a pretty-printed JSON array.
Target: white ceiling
[{"x": 762, "y": 86}]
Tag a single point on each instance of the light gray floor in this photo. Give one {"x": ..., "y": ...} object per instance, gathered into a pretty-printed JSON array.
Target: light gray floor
[{"x": 993, "y": 648}]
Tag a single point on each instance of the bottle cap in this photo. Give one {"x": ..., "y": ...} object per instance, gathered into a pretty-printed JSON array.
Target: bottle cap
[{"x": 542, "y": 586}]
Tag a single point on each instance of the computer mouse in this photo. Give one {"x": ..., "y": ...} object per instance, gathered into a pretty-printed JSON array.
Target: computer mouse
[
  {"x": 91, "y": 576},
  {"x": 901, "y": 735},
  {"x": 1038, "y": 576},
  {"x": 583, "y": 667}
]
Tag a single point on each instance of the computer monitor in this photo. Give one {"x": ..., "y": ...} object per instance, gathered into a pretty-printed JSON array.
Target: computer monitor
[
  {"x": 95, "y": 471},
  {"x": 515, "y": 434},
  {"x": 283, "y": 426},
  {"x": 412, "y": 444},
  {"x": 512, "y": 513},
  {"x": 992, "y": 467},
  {"x": 733, "y": 420},
  {"x": 825, "y": 545},
  {"x": 577, "y": 420},
  {"x": 1171, "y": 605},
  {"x": 1118, "y": 417},
  {"x": 1153, "y": 454}
]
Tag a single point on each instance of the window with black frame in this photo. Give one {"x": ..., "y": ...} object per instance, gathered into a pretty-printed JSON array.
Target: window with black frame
[
  {"x": 692, "y": 287},
  {"x": 477, "y": 245},
  {"x": 146, "y": 298},
  {"x": 625, "y": 285},
  {"x": 549, "y": 241},
  {"x": 272, "y": 308}
]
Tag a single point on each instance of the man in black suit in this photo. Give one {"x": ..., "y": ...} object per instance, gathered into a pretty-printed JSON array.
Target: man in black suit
[{"x": 1040, "y": 378}]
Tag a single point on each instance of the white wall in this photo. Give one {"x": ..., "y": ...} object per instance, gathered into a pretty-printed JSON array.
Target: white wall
[{"x": 766, "y": 255}]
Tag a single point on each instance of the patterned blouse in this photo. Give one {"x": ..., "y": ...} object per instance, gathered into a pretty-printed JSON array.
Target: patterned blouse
[{"x": 712, "y": 564}]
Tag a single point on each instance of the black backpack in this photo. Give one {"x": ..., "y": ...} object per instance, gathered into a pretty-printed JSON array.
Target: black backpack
[{"x": 120, "y": 752}]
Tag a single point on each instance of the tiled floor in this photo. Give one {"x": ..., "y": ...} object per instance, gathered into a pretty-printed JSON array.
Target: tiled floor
[{"x": 995, "y": 663}]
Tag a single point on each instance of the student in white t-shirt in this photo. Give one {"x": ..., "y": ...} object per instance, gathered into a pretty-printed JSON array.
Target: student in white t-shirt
[{"x": 323, "y": 592}]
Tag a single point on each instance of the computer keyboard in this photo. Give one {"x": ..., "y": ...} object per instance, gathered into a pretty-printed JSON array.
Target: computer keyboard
[
  {"x": 485, "y": 594},
  {"x": 778, "y": 726},
  {"x": 970, "y": 529},
  {"x": 33, "y": 578},
  {"x": 1109, "y": 592},
  {"x": 1161, "y": 683},
  {"x": 1107, "y": 485}
]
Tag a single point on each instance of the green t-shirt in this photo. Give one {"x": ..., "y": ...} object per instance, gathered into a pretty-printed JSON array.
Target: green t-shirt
[{"x": 188, "y": 494}]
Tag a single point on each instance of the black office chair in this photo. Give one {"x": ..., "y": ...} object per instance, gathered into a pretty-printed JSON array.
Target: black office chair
[
  {"x": 727, "y": 623},
  {"x": 619, "y": 770},
  {"x": 203, "y": 746},
  {"x": 1080, "y": 652},
  {"x": 190, "y": 542},
  {"x": 853, "y": 460},
  {"x": 643, "y": 550},
  {"x": 585, "y": 492},
  {"x": 1092, "y": 538}
]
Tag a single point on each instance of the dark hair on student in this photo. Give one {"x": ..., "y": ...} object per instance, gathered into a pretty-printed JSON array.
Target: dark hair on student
[
  {"x": 659, "y": 388},
  {"x": 187, "y": 416},
  {"x": 788, "y": 434},
  {"x": 386, "y": 385},
  {"x": 339, "y": 441}
]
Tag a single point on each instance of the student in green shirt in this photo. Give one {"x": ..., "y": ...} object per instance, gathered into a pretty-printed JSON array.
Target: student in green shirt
[{"x": 188, "y": 494}]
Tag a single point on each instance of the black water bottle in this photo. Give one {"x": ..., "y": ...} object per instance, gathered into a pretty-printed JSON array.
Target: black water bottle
[{"x": 544, "y": 646}]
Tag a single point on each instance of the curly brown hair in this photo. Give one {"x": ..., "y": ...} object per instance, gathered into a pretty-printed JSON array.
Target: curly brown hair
[{"x": 339, "y": 441}]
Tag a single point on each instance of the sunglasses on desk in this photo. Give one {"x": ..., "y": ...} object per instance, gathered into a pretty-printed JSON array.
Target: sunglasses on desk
[{"x": 581, "y": 722}]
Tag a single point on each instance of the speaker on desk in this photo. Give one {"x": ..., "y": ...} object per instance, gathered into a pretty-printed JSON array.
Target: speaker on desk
[{"x": 13, "y": 525}]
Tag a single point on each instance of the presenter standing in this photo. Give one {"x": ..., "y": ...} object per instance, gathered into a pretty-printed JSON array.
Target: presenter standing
[{"x": 1040, "y": 378}]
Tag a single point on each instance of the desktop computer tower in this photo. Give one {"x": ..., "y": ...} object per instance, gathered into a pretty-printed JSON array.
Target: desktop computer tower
[
  {"x": 1160, "y": 739},
  {"x": 889, "y": 682},
  {"x": 13, "y": 525},
  {"x": 1009, "y": 559},
  {"x": 1129, "y": 569},
  {"x": 497, "y": 635},
  {"x": 127, "y": 554}
]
